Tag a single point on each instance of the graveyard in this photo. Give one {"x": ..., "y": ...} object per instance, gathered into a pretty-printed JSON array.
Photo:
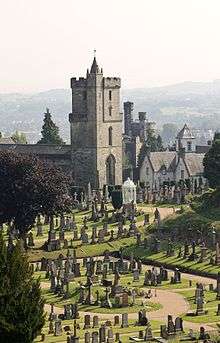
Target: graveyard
[{"x": 125, "y": 275}]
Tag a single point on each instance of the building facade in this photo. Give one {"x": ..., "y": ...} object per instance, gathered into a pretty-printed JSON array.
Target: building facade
[
  {"x": 166, "y": 166},
  {"x": 95, "y": 152},
  {"x": 96, "y": 129}
]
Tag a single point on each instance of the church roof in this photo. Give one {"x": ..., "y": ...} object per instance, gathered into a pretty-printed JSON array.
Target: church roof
[
  {"x": 38, "y": 149},
  {"x": 185, "y": 133},
  {"x": 194, "y": 163},
  {"x": 163, "y": 159}
]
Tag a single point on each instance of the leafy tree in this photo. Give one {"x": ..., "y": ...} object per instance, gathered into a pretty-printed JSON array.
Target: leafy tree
[
  {"x": 29, "y": 187},
  {"x": 159, "y": 143},
  {"x": 0, "y": 134},
  {"x": 143, "y": 152},
  {"x": 19, "y": 137},
  {"x": 211, "y": 163},
  {"x": 50, "y": 132},
  {"x": 21, "y": 304}
]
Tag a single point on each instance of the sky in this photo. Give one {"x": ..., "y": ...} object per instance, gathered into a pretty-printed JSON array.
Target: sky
[{"x": 146, "y": 42}]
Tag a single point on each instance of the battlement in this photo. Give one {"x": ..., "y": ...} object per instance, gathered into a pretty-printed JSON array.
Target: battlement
[
  {"x": 112, "y": 82},
  {"x": 81, "y": 82}
]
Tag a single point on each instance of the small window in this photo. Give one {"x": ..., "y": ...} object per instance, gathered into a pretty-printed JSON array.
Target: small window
[
  {"x": 147, "y": 171},
  {"x": 110, "y": 136},
  {"x": 182, "y": 174},
  {"x": 110, "y": 111},
  {"x": 189, "y": 146},
  {"x": 84, "y": 95},
  {"x": 110, "y": 95}
]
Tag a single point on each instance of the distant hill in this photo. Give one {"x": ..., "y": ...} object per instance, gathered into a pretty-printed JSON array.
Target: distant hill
[{"x": 197, "y": 103}]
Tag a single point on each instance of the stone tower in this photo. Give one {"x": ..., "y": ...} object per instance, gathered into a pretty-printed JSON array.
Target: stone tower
[
  {"x": 128, "y": 117},
  {"x": 96, "y": 129}
]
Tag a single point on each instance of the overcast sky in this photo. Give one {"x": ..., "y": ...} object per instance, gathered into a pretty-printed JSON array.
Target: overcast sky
[{"x": 145, "y": 42}]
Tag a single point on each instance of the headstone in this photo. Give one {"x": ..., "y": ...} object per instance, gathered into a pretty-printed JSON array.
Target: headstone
[
  {"x": 178, "y": 324},
  {"x": 217, "y": 256},
  {"x": 87, "y": 323},
  {"x": 95, "y": 321},
  {"x": 116, "y": 320},
  {"x": 58, "y": 328},
  {"x": 87, "y": 337},
  {"x": 124, "y": 323},
  {"x": 218, "y": 287},
  {"x": 95, "y": 337},
  {"x": 110, "y": 337},
  {"x": 102, "y": 334}
]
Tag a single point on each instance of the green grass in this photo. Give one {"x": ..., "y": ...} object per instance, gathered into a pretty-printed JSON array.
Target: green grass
[{"x": 132, "y": 330}]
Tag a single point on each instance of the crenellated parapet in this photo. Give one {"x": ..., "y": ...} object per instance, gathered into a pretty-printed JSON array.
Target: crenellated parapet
[
  {"x": 112, "y": 82},
  {"x": 81, "y": 82}
]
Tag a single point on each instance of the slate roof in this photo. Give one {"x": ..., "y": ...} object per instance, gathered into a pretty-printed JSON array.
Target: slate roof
[
  {"x": 38, "y": 149},
  {"x": 169, "y": 159},
  {"x": 185, "y": 133},
  {"x": 164, "y": 158},
  {"x": 194, "y": 163}
]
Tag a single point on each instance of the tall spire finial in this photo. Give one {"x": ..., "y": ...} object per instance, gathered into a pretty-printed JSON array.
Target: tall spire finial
[{"x": 94, "y": 51}]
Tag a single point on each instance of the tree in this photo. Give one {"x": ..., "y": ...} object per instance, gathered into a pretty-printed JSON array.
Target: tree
[
  {"x": 19, "y": 137},
  {"x": 21, "y": 304},
  {"x": 153, "y": 143},
  {"x": 50, "y": 132},
  {"x": 29, "y": 187},
  {"x": 169, "y": 133},
  {"x": 211, "y": 163},
  {"x": 117, "y": 200}
]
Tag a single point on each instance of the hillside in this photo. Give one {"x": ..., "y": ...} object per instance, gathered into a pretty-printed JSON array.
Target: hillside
[{"x": 197, "y": 103}]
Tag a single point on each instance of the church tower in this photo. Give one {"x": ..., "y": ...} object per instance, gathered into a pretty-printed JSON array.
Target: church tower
[{"x": 96, "y": 129}]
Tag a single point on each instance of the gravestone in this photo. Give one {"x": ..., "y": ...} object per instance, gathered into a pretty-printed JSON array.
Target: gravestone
[
  {"x": 178, "y": 324},
  {"x": 124, "y": 323},
  {"x": 217, "y": 256},
  {"x": 110, "y": 336},
  {"x": 58, "y": 328},
  {"x": 95, "y": 322},
  {"x": 148, "y": 333},
  {"x": 102, "y": 333},
  {"x": 170, "y": 326},
  {"x": 87, "y": 337},
  {"x": 116, "y": 320},
  {"x": 95, "y": 337},
  {"x": 87, "y": 324}
]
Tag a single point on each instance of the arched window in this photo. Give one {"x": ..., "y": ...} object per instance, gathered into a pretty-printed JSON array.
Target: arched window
[
  {"x": 110, "y": 170},
  {"x": 110, "y": 95},
  {"x": 110, "y": 135},
  {"x": 110, "y": 111}
]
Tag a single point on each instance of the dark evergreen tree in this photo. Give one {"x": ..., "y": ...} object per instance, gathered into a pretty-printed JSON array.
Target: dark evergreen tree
[
  {"x": 117, "y": 200},
  {"x": 153, "y": 143},
  {"x": 50, "y": 132},
  {"x": 21, "y": 304},
  {"x": 211, "y": 163}
]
